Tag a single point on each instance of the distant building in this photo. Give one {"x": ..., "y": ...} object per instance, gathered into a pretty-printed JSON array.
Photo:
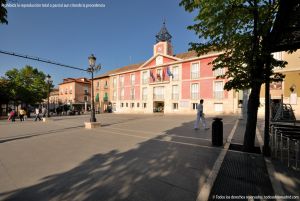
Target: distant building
[{"x": 75, "y": 92}]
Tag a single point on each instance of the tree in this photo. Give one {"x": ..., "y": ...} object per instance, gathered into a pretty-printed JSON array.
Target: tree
[
  {"x": 3, "y": 12},
  {"x": 27, "y": 85},
  {"x": 240, "y": 30}
]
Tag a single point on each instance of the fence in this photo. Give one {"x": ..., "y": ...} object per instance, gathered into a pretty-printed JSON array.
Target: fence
[{"x": 285, "y": 144}]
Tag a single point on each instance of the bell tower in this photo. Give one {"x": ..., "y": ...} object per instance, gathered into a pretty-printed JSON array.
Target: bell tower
[{"x": 163, "y": 42}]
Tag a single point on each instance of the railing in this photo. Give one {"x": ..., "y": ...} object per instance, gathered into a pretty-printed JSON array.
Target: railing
[{"x": 285, "y": 144}]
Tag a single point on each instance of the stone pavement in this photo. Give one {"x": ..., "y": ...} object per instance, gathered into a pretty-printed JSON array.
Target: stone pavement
[
  {"x": 131, "y": 157},
  {"x": 245, "y": 176}
]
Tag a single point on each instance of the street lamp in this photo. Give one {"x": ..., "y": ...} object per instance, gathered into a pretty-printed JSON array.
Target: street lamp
[
  {"x": 49, "y": 82},
  {"x": 92, "y": 69}
]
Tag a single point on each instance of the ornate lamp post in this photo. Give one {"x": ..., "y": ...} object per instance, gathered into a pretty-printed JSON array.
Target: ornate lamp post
[
  {"x": 49, "y": 82},
  {"x": 92, "y": 69}
]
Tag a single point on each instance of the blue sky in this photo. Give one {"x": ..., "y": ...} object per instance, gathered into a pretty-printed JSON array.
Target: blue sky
[{"x": 120, "y": 34}]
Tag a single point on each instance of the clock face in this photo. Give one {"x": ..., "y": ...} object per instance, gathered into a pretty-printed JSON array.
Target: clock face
[
  {"x": 159, "y": 60},
  {"x": 159, "y": 49}
]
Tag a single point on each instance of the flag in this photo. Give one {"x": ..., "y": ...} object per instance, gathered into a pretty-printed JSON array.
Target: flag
[
  {"x": 152, "y": 76},
  {"x": 169, "y": 72},
  {"x": 163, "y": 73}
]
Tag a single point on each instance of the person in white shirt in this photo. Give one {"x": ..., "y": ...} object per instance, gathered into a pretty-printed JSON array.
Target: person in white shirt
[
  {"x": 200, "y": 116},
  {"x": 37, "y": 114}
]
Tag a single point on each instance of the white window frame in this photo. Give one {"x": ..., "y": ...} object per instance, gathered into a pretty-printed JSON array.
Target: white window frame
[
  {"x": 175, "y": 75},
  {"x": 218, "y": 93},
  {"x": 114, "y": 82},
  {"x": 132, "y": 79},
  {"x": 175, "y": 92},
  {"x": 195, "y": 93},
  {"x": 144, "y": 93},
  {"x": 145, "y": 77},
  {"x": 195, "y": 74}
]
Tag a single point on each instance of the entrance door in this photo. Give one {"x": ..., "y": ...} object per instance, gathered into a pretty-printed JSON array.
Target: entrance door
[{"x": 158, "y": 106}]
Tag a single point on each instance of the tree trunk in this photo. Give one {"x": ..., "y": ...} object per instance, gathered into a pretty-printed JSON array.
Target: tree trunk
[{"x": 253, "y": 104}]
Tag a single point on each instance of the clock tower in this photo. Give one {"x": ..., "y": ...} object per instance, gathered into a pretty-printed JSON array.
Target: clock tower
[{"x": 163, "y": 42}]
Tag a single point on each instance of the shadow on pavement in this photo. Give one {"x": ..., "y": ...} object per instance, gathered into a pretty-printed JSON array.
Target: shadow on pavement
[{"x": 153, "y": 170}]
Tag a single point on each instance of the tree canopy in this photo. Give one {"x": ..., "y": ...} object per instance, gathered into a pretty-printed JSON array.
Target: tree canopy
[
  {"x": 240, "y": 30},
  {"x": 3, "y": 12},
  {"x": 26, "y": 85}
]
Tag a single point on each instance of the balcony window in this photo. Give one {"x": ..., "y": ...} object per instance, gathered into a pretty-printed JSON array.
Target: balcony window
[
  {"x": 195, "y": 91},
  {"x": 158, "y": 93},
  {"x": 132, "y": 93},
  {"x": 175, "y": 73},
  {"x": 175, "y": 92},
  {"x": 132, "y": 79},
  {"x": 218, "y": 90},
  {"x": 145, "y": 77},
  {"x": 144, "y": 93},
  {"x": 195, "y": 72},
  {"x": 115, "y": 82}
]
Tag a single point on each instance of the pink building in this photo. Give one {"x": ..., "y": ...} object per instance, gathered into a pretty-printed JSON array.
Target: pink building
[{"x": 169, "y": 83}]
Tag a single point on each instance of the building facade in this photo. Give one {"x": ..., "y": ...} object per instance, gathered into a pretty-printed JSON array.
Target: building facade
[
  {"x": 168, "y": 83},
  {"x": 76, "y": 93}
]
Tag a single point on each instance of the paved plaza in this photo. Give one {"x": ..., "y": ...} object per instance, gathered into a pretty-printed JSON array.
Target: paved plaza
[{"x": 131, "y": 157}]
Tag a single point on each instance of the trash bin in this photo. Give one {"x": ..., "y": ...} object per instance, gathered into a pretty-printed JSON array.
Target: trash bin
[{"x": 217, "y": 132}]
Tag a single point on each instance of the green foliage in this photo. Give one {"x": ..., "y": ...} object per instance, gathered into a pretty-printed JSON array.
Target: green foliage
[
  {"x": 3, "y": 12},
  {"x": 26, "y": 85},
  {"x": 240, "y": 29}
]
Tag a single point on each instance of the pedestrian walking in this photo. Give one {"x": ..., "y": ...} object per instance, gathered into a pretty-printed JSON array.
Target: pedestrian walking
[
  {"x": 200, "y": 116},
  {"x": 12, "y": 115},
  {"x": 22, "y": 113},
  {"x": 44, "y": 112},
  {"x": 37, "y": 114}
]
